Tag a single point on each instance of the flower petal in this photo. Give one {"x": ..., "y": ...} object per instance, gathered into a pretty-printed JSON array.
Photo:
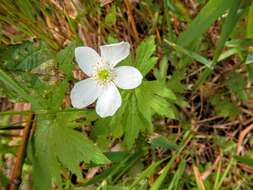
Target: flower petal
[
  {"x": 87, "y": 59},
  {"x": 85, "y": 93},
  {"x": 109, "y": 102},
  {"x": 114, "y": 53},
  {"x": 127, "y": 77}
]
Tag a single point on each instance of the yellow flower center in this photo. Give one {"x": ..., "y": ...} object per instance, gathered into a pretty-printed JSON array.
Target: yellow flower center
[{"x": 103, "y": 74}]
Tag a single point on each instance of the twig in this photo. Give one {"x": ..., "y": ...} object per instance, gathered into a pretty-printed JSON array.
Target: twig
[
  {"x": 131, "y": 19},
  {"x": 241, "y": 138},
  {"x": 15, "y": 180}
]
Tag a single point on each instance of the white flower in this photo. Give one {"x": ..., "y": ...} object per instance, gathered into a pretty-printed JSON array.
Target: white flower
[{"x": 104, "y": 78}]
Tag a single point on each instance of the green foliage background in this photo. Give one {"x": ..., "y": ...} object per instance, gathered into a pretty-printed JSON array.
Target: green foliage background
[{"x": 179, "y": 130}]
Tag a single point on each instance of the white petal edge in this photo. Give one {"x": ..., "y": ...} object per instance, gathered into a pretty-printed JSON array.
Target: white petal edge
[
  {"x": 109, "y": 101},
  {"x": 114, "y": 53},
  {"x": 127, "y": 77},
  {"x": 87, "y": 59},
  {"x": 84, "y": 93}
]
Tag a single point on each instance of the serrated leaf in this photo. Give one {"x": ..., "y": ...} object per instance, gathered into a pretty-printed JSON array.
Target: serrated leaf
[
  {"x": 144, "y": 60},
  {"x": 162, "y": 107},
  {"x": 55, "y": 144},
  {"x": 57, "y": 95},
  {"x": 26, "y": 56},
  {"x": 65, "y": 57},
  {"x": 132, "y": 123},
  {"x": 160, "y": 89},
  {"x": 143, "y": 99},
  {"x": 71, "y": 147}
]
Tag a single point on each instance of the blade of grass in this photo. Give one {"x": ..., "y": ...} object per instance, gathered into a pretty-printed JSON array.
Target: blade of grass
[
  {"x": 199, "y": 181},
  {"x": 160, "y": 179},
  {"x": 147, "y": 172},
  {"x": 179, "y": 173},
  {"x": 206, "y": 17},
  {"x": 230, "y": 164},
  {"x": 250, "y": 22},
  {"x": 227, "y": 28},
  {"x": 217, "y": 177},
  {"x": 189, "y": 53}
]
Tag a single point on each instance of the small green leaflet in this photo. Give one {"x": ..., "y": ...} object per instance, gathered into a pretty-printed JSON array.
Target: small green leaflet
[
  {"x": 65, "y": 58},
  {"x": 144, "y": 60}
]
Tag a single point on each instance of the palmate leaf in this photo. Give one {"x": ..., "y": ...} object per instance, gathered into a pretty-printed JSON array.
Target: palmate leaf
[
  {"x": 151, "y": 98},
  {"x": 56, "y": 144}
]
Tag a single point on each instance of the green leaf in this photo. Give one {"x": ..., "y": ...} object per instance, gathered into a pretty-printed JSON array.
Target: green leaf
[
  {"x": 11, "y": 84},
  {"x": 147, "y": 172},
  {"x": 244, "y": 160},
  {"x": 159, "y": 181},
  {"x": 249, "y": 59},
  {"x": 26, "y": 56},
  {"x": 133, "y": 122},
  {"x": 144, "y": 60},
  {"x": 64, "y": 59},
  {"x": 54, "y": 144},
  {"x": 163, "y": 68},
  {"x": 177, "y": 176},
  {"x": 57, "y": 95},
  {"x": 237, "y": 84},
  {"x": 163, "y": 143},
  {"x": 224, "y": 107},
  {"x": 26, "y": 7},
  {"x": 250, "y": 72},
  {"x": 111, "y": 18},
  {"x": 227, "y": 27},
  {"x": 116, "y": 169},
  {"x": 158, "y": 88},
  {"x": 162, "y": 107},
  {"x": 3, "y": 180},
  {"x": 152, "y": 98}
]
